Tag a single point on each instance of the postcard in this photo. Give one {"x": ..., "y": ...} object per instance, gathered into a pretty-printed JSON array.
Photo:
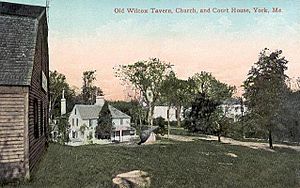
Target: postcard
[{"x": 149, "y": 93}]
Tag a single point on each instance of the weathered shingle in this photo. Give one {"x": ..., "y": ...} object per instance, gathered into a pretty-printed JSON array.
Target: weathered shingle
[{"x": 18, "y": 32}]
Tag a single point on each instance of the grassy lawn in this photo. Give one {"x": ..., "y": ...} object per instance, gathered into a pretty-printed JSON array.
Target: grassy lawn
[{"x": 170, "y": 164}]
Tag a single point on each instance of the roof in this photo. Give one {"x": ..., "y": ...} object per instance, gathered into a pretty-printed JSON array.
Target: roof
[
  {"x": 15, "y": 9},
  {"x": 93, "y": 111},
  {"x": 231, "y": 101},
  {"x": 18, "y": 32},
  {"x": 89, "y": 111},
  {"x": 115, "y": 113}
]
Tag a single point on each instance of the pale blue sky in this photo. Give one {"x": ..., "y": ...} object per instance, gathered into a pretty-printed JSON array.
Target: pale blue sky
[{"x": 73, "y": 17}]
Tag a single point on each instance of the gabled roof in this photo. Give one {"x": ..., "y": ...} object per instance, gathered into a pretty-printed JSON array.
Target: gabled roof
[
  {"x": 15, "y": 9},
  {"x": 115, "y": 113},
  {"x": 92, "y": 111},
  {"x": 89, "y": 111},
  {"x": 18, "y": 32}
]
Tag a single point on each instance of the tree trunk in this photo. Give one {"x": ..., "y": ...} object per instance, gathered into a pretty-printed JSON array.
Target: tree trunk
[
  {"x": 270, "y": 139},
  {"x": 150, "y": 115},
  {"x": 219, "y": 137},
  {"x": 168, "y": 119},
  {"x": 178, "y": 113}
]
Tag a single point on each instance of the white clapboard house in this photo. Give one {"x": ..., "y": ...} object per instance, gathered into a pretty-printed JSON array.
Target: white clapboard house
[
  {"x": 162, "y": 111},
  {"x": 84, "y": 120},
  {"x": 233, "y": 108}
]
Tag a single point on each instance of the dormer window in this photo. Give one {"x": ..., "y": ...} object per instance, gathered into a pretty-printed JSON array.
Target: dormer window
[{"x": 75, "y": 111}]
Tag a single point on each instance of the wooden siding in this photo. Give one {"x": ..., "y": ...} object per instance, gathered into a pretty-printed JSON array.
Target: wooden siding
[
  {"x": 13, "y": 118},
  {"x": 37, "y": 145}
]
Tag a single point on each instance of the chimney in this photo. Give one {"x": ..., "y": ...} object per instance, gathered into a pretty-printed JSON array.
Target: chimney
[
  {"x": 63, "y": 104},
  {"x": 100, "y": 100}
]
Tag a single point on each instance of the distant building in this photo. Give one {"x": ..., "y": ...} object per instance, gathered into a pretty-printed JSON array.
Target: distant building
[
  {"x": 233, "y": 108},
  {"x": 24, "y": 91},
  {"x": 162, "y": 111},
  {"x": 84, "y": 120}
]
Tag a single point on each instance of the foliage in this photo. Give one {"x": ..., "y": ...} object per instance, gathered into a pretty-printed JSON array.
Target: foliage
[
  {"x": 215, "y": 90},
  {"x": 265, "y": 88},
  {"x": 176, "y": 92},
  {"x": 133, "y": 109},
  {"x": 83, "y": 128},
  {"x": 62, "y": 128},
  {"x": 220, "y": 124},
  {"x": 199, "y": 118},
  {"x": 58, "y": 83},
  {"x": 210, "y": 92},
  {"x": 288, "y": 127},
  {"x": 104, "y": 127},
  {"x": 147, "y": 77},
  {"x": 89, "y": 91},
  {"x": 161, "y": 123}
]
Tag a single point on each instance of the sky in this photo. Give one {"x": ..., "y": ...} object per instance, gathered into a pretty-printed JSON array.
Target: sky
[{"x": 89, "y": 35}]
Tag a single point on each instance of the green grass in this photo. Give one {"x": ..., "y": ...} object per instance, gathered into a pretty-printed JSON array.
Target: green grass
[{"x": 170, "y": 164}]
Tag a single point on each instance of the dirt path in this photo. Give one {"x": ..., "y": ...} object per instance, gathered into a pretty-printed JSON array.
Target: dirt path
[{"x": 253, "y": 145}]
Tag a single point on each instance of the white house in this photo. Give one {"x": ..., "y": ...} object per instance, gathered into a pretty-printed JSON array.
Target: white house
[
  {"x": 162, "y": 111},
  {"x": 84, "y": 120},
  {"x": 233, "y": 108}
]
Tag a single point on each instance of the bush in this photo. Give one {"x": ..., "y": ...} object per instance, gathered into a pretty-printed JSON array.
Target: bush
[{"x": 161, "y": 123}]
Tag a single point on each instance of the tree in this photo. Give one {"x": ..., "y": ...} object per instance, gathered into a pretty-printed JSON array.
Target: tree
[
  {"x": 175, "y": 92},
  {"x": 199, "y": 118},
  {"x": 147, "y": 77},
  {"x": 58, "y": 83},
  {"x": 213, "y": 88},
  {"x": 89, "y": 91},
  {"x": 160, "y": 122},
  {"x": 209, "y": 93},
  {"x": 220, "y": 123},
  {"x": 288, "y": 124},
  {"x": 264, "y": 88},
  {"x": 63, "y": 127},
  {"x": 133, "y": 109},
  {"x": 104, "y": 127}
]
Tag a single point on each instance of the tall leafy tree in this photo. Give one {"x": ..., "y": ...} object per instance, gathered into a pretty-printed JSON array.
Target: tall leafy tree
[
  {"x": 104, "y": 127},
  {"x": 58, "y": 83},
  {"x": 175, "y": 93},
  {"x": 147, "y": 77},
  {"x": 209, "y": 93},
  {"x": 214, "y": 89},
  {"x": 89, "y": 90},
  {"x": 264, "y": 89}
]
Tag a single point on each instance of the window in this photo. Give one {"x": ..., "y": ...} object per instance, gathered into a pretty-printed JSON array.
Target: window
[
  {"x": 121, "y": 121},
  {"x": 126, "y": 133},
  {"x": 36, "y": 118},
  {"x": 41, "y": 119},
  {"x": 77, "y": 122},
  {"x": 75, "y": 111},
  {"x": 117, "y": 133}
]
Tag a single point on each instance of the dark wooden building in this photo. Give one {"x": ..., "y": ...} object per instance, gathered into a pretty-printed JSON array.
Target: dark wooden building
[{"x": 24, "y": 91}]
